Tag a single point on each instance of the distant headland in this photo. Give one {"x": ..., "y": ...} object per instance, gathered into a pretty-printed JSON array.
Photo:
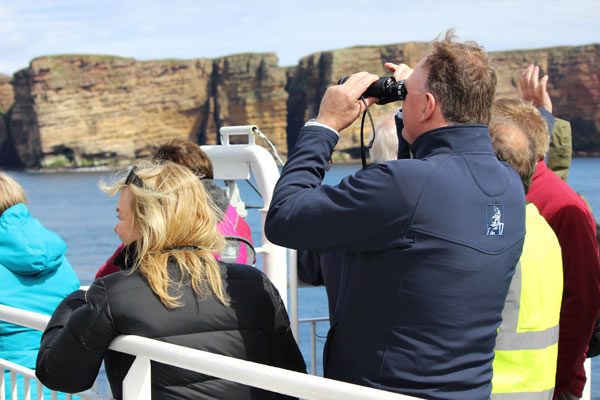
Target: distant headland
[{"x": 94, "y": 110}]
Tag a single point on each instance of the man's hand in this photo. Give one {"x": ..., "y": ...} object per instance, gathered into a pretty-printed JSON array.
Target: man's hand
[
  {"x": 534, "y": 89},
  {"x": 401, "y": 71},
  {"x": 341, "y": 106}
]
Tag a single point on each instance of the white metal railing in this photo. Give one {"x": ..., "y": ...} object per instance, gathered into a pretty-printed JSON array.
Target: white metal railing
[
  {"x": 313, "y": 339},
  {"x": 38, "y": 322},
  {"x": 136, "y": 385},
  {"x": 28, "y": 376},
  {"x": 587, "y": 390},
  {"x": 241, "y": 371},
  {"x": 293, "y": 290}
]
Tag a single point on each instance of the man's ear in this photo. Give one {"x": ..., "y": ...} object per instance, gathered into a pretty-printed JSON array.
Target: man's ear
[{"x": 429, "y": 107}]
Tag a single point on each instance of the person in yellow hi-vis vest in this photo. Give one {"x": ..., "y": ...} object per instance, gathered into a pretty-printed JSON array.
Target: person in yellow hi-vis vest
[{"x": 527, "y": 342}]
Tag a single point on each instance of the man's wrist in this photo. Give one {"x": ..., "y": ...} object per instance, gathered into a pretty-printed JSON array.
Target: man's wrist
[{"x": 314, "y": 122}]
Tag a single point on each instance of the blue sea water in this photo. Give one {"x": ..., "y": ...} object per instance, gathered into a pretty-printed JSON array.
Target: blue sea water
[{"x": 71, "y": 204}]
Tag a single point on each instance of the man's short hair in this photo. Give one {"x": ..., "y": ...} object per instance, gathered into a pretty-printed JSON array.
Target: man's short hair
[
  {"x": 186, "y": 153},
  {"x": 463, "y": 80},
  {"x": 515, "y": 147},
  {"x": 529, "y": 119}
]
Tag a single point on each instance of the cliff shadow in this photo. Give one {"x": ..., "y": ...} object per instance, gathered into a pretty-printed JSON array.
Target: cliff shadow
[
  {"x": 9, "y": 158},
  {"x": 586, "y": 138},
  {"x": 306, "y": 86}
]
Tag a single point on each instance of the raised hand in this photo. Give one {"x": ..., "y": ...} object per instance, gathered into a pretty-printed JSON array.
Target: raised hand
[
  {"x": 341, "y": 106},
  {"x": 401, "y": 71},
  {"x": 534, "y": 89}
]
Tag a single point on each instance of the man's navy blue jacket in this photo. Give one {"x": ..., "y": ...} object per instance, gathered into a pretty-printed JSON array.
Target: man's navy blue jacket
[{"x": 431, "y": 244}]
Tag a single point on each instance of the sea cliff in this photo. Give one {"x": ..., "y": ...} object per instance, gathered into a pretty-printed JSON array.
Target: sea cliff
[{"x": 83, "y": 110}]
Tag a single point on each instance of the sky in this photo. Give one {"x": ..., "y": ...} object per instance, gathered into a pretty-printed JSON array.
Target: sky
[{"x": 156, "y": 29}]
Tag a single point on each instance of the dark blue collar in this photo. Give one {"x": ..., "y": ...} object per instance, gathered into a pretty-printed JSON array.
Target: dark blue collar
[{"x": 453, "y": 139}]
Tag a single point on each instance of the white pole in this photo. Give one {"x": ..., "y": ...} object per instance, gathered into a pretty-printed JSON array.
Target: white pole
[
  {"x": 137, "y": 383},
  {"x": 587, "y": 390}
]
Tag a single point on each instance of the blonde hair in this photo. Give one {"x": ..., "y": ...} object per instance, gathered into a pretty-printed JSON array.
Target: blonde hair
[
  {"x": 385, "y": 144},
  {"x": 11, "y": 193},
  {"x": 529, "y": 119},
  {"x": 174, "y": 218}
]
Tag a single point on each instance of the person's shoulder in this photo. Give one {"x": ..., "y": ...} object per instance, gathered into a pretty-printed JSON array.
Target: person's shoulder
[
  {"x": 239, "y": 275},
  {"x": 241, "y": 272},
  {"x": 18, "y": 220},
  {"x": 557, "y": 201},
  {"x": 17, "y": 211},
  {"x": 28, "y": 247},
  {"x": 555, "y": 190},
  {"x": 536, "y": 223},
  {"x": 122, "y": 281}
]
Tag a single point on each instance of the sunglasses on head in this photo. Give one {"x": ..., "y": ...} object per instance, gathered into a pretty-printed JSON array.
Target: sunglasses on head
[{"x": 133, "y": 179}]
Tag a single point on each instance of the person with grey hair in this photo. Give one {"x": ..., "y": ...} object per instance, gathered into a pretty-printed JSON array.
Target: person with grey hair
[
  {"x": 575, "y": 227},
  {"x": 530, "y": 319}
]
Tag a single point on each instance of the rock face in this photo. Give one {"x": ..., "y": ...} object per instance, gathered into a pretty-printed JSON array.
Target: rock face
[
  {"x": 247, "y": 90},
  {"x": 86, "y": 110},
  {"x": 3, "y": 132},
  {"x": 574, "y": 86},
  {"x": 7, "y": 96}
]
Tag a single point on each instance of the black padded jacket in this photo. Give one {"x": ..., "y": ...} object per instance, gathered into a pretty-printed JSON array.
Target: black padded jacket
[{"x": 255, "y": 328}]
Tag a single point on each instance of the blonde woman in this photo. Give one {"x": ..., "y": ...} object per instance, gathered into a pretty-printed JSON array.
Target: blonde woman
[
  {"x": 35, "y": 275},
  {"x": 170, "y": 288}
]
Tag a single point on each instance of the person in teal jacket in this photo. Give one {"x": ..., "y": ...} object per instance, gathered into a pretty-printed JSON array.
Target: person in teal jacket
[{"x": 35, "y": 275}]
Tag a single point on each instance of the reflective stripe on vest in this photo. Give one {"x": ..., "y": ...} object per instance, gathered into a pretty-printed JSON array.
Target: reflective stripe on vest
[
  {"x": 545, "y": 395},
  {"x": 510, "y": 339},
  {"x": 527, "y": 342}
]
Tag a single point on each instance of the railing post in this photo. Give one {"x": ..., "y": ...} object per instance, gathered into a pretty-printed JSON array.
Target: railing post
[
  {"x": 587, "y": 390},
  {"x": 293, "y": 290},
  {"x": 40, "y": 391},
  {"x": 313, "y": 342},
  {"x": 27, "y": 388},
  {"x": 274, "y": 263},
  {"x": 136, "y": 385},
  {"x": 13, "y": 386}
]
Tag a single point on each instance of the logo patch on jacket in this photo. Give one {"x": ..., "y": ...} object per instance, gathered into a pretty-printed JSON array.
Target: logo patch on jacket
[{"x": 495, "y": 219}]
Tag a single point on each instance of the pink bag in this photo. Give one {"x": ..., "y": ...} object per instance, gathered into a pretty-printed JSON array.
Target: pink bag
[{"x": 238, "y": 249}]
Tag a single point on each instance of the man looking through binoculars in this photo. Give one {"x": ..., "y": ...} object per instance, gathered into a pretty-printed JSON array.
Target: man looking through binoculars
[{"x": 424, "y": 280}]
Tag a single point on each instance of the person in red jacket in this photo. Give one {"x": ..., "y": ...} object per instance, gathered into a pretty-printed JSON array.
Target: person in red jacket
[
  {"x": 239, "y": 248},
  {"x": 574, "y": 225}
]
